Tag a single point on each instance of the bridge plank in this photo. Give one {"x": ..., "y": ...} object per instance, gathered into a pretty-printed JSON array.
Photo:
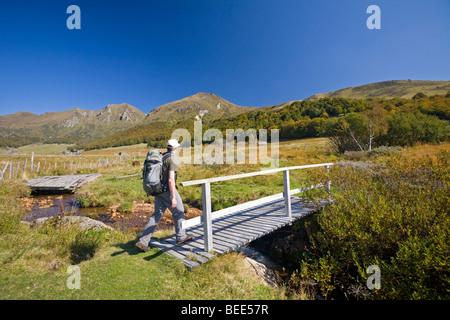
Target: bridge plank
[
  {"x": 67, "y": 183},
  {"x": 235, "y": 230}
]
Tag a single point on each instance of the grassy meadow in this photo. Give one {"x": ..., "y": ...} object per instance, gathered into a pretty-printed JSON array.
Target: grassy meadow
[{"x": 34, "y": 261}]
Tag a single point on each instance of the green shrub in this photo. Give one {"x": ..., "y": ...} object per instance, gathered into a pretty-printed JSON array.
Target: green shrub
[
  {"x": 407, "y": 129},
  {"x": 394, "y": 216}
]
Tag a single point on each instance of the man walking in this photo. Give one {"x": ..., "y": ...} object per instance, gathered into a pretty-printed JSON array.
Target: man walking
[{"x": 169, "y": 198}]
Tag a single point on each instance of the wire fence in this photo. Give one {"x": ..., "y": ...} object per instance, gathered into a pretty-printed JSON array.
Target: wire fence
[{"x": 23, "y": 167}]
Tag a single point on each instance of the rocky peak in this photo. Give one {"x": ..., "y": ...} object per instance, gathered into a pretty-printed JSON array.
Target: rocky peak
[{"x": 126, "y": 115}]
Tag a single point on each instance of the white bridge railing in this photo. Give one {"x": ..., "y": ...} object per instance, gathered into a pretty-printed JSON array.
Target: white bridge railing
[{"x": 208, "y": 216}]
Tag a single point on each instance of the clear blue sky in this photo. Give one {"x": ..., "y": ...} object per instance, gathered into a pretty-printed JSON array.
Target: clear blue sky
[{"x": 250, "y": 52}]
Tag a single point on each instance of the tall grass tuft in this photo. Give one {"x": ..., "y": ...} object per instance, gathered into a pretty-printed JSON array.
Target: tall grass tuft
[
  {"x": 29, "y": 247},
  {"x": 84, "y": 245},
  {"x": 11, "y": 211}
]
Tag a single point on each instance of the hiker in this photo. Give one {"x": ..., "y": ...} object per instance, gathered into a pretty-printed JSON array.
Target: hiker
[{"x": 169, "y": 198}]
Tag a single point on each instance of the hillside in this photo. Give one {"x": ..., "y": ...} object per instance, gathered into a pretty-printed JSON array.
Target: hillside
[
  {"x": 388, "y": 89},
  {"x": 83, "y": 126},
  {"x": 205, "y": 106},
  {"x": 323, "y": 117},
  {"x": 159, "y": 124},
  {"x": 309, "y": 114},
  {"x": 69, "y": 126},
  {"x": 117, "y": 125}
]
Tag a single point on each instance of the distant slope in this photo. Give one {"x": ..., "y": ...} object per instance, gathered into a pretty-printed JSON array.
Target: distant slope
[
  {"x": 218, "y": 113},
  {"x": 202, "y": 105},
  {"x": 69, "y": 126},
  {"x": 117, "y": 125},
  {"x": 389, "y": 89},
  {"x": 159, "y": 124},
  {"x": 84, "y": 126}
]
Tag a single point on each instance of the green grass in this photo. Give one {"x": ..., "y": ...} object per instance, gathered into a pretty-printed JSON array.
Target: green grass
[
  {"x": 109, "y": 191},
  {"x": 40, "y": 148},
  {"x": 119, "y": 270},
  {"x": 34, "y": 263}
]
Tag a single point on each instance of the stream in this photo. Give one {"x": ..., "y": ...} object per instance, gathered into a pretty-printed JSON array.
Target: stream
[{"x": 40, "y": 206}]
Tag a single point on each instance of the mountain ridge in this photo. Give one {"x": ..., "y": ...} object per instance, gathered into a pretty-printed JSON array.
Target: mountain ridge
[
  {"x": 82, "y": 126},
  {"x": 388, "y": 89},
  {"x": 47, "y": 117},
  {"x": 69, "y": 126},
  {"x": 198, "y": 106}
]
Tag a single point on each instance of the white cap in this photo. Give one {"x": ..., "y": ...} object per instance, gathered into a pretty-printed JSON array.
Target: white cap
[{"x": 172, "y": 143}]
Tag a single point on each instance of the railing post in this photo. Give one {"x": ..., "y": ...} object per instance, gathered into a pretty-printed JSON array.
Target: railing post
[
  {"x": 287, "y": 193},
  {"x": 206, "y": 218}
]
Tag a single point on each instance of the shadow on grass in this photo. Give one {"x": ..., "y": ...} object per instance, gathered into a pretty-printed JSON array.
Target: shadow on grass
[
  {"x": 154, "y": 255},
  {"x": 131, "y": 249}
]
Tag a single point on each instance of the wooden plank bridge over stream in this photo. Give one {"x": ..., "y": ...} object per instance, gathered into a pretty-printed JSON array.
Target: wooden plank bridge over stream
[
  {"x": 60, "y": 184},
  {"x": 229, "y": 229}
]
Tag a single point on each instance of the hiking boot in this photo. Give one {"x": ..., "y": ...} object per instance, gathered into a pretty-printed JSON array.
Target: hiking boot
[
  {"x": 184, "y": 239},
  {"x": 143, "y": 247}
]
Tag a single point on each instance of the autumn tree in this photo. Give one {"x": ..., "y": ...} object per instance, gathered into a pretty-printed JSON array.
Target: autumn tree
[{"x": 376, "y": 122}]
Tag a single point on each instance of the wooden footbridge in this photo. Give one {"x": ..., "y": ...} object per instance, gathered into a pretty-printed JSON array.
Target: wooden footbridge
[
  {"x": 60, "y": 184},
  {"x": 228, "y": 229}
]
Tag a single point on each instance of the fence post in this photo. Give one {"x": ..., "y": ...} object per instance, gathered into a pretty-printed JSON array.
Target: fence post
[
  {"x": 328, "y": 184},
  {"x": 18, "y": 167},
  {"x": 3, "y": 171},
  {"x": 17, "y": 170},
  {"x": 287, "y": 193},
  {"x": 206, "y": 218}
]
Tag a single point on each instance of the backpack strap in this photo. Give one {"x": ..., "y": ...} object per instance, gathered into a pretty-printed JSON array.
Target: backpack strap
[{"x": 165, "y": 156}]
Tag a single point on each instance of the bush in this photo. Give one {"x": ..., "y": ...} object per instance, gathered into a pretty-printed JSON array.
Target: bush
[
  {"x": 384, "y": 151},
  {"x": 351, "y": 132},
  {"x": 407, "y": 129},
  {"x": 395, "y": 217},
  {"x": 376, "y": 152},
  {"x": 354, "y": 155}
]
